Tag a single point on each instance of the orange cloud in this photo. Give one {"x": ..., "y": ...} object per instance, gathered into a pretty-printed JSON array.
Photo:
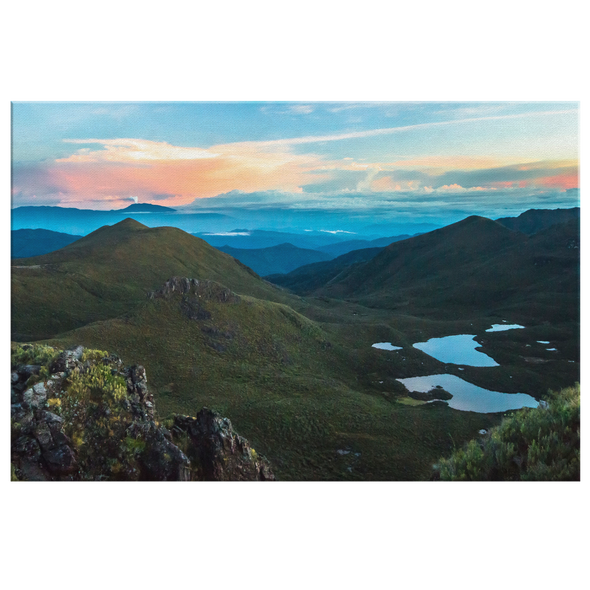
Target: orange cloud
[
  {"x": 561, "y": 181},
  {"x": 148, "y": 169}
]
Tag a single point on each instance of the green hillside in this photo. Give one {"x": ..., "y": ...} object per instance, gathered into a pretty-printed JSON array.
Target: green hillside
[
  {"x": 298, "y": 376},
  {"x": 476, "y": 265},
  {"x": 289, "y": 384},
  {"x": 107, "y": 274}
]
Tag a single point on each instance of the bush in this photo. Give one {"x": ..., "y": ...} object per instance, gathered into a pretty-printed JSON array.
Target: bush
[
  {"x": 540, "y": 444},
  {"x": 32, "y": 354}
]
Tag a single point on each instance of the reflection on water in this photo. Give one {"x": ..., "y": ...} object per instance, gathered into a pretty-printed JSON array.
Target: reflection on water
[
  {"x": 503, "y": 327},
  {"x": 471, "y": 398},
  {"x": 458, "y": 350},
  {"x": 386, "y": 346}
]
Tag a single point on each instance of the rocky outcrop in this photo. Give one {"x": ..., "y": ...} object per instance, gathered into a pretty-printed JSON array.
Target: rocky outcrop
[
  {"x": 94, "y": 419},
  {"x": 220, "y": 453},
  {"x": 202, "y": 289}
]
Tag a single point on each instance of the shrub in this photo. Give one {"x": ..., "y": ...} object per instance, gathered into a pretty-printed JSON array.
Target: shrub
[
  {"x": 33, "y": 354},
  {"x": 539, "y": 444}
]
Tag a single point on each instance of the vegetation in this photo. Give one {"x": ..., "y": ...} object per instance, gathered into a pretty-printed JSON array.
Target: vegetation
[
  {"x": 29, "y": 354},
  {"x": 533, "y": 444},
  {"x": 297, "y": 376},
  {"x": 91, "y": 402}
]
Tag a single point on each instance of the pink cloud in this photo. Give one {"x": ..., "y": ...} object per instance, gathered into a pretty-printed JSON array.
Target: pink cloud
[{"x": 145, "y": 168}]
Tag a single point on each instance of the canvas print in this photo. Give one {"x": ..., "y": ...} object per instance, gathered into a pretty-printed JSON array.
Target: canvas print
[{"x": 295, "y": 291}]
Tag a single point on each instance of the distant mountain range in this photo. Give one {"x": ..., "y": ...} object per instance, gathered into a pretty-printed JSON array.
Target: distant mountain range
[
  {"x": 298, "y": 375},
  {"x": 349, "y": 245},
  {"x": 258, "y": 238},
  {"x": 34, "y": 242},
  {"x": 277, "y": 259},
  {"x": 308, "y": 278},
  {"x": 83, "y": 221},
  {"x": 144, "y": 208}
]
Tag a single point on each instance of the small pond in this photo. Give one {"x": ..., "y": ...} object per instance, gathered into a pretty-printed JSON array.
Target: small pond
[
  {"x": 471, "y": 398},
  {"x": 503, "y": 327},
  {"x": 457, "y": 350},
  {"x": 386, "y": 346}
]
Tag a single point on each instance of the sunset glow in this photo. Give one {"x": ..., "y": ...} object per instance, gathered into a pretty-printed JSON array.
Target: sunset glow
[{"x": 422, "y": 150}]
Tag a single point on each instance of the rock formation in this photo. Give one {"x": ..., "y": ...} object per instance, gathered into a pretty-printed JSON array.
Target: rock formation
[{"x": 79, "y": 414}]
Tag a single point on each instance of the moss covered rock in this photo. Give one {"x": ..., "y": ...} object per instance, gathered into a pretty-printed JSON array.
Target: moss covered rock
[{"x": 79, "y": 414}]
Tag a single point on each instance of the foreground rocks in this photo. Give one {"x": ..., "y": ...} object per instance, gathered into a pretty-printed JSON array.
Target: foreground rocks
[
  {"x": 80, "y": 414},
  {"x": 221, "y": 454}
]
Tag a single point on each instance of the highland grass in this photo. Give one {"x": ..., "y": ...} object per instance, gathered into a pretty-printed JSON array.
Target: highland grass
[{"x": 297, "y": 376}]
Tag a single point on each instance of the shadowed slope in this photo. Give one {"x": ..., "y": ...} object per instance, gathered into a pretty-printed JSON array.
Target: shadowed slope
[
  {"x": 276, "y": 259},
  {"x": 35, "y": 242},
  {"x": 476, "y": 264},
  {"x": 108, "y": 273},
  {"x": 535, "y": 220},
  {"x": 308, "y": 278}
]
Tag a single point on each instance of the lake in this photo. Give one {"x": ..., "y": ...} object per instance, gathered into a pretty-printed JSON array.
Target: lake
[
  {"x": 386, "y": 346},
  {"x": 457, "y": 350},
  {"x": 468, "y": 397}
]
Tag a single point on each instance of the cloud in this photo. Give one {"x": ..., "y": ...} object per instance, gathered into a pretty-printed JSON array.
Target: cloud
[
  {"x": 134, "y": 150},
  {"x": 156, "y": 171},
  {"x": 302, "y": 109},
  {"x": 392, "y": 130}
]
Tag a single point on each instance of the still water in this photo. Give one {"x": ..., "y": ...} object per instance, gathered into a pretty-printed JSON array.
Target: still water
[
  {"x": 386, "y": 346},
  {"x": 503, "y": 327},
  {"x": 471, "y": 398},
  {"x": 457, "y": 350}
]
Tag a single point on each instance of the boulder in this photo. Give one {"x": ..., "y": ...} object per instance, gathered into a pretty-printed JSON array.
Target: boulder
[
  {"x": 67, "y": 360},
  {"x": 36, "y": 396},
  {"x": 221, "y": 453}
]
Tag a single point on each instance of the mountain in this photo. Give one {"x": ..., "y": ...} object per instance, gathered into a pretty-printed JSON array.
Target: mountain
[
  {"x": 349, "y": 245},
  {"x": 33, "y": 242},
  {"x": 308, "y": 278},
  {"x": 475, "y": 264},
  {"x": 276, "y": 259},
  {"x": 257, "y": 238},
  {"x": 107, "y": 273},
  {"x": 83, "y": 221},
  {"x": 298, "y": 376},
  {"x": 144, "y": 208},
  {"x": 535, "y": 220}
]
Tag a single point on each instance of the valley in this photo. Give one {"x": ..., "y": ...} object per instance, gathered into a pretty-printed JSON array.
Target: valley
[{"x": 296, "y": 370}]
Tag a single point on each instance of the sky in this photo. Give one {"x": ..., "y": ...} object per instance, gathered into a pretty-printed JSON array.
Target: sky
[{"x": 380, "y": 158}]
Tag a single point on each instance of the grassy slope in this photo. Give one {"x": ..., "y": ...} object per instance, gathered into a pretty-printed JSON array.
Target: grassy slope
[
  {"x": 288, "y": 385},
  {"x": 107, "y": 274},
  {"x": 292, "y": 395},
  {"x": 475, "y": 265}
]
